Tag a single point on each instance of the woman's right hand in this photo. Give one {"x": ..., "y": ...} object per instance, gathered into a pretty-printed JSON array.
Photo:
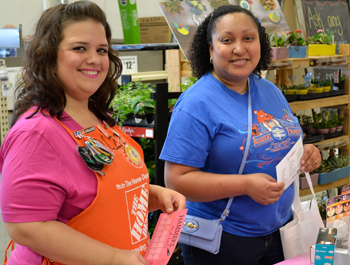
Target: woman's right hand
[
  {"x": 263, "y": 188},
  {"x": 128, "y": 257}
]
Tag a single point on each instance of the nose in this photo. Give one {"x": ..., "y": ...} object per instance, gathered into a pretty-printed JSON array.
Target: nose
[
  {"x": 93, "y": 58},
  {"x": 239, "y": 48}
]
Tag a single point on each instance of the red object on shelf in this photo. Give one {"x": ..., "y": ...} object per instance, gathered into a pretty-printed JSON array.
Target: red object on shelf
[{"x": 140, "y": 132}]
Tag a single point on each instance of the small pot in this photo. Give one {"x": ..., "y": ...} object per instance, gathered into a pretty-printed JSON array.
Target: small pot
[
  {"x": 326, "y": 88},
  {"x": 332, "y": 130},
  {"x": 340, "y": 85},
  {"x": 339, "y": 128},
  {"x": 311, "y": 130},
  {"x": 302, "y": 91},
  {"x": 279, "y": 53},
  {"x": 323, "y": 131}
]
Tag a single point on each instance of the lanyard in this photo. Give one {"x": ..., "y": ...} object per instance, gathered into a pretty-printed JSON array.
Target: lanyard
[{"x": 244, "y": 159}]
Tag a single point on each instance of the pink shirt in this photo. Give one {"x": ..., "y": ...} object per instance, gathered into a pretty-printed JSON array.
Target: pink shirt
[{"x": 42, "y": 176}]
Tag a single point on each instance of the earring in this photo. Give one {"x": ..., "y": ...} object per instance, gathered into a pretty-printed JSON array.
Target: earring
[{"x": 211, "y": 60}]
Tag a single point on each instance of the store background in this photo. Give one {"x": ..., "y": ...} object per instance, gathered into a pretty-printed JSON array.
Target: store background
[{"x": 27, "y": 13}]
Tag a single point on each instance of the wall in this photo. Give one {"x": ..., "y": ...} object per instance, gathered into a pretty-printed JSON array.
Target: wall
[{"x": 27, "y": 13}]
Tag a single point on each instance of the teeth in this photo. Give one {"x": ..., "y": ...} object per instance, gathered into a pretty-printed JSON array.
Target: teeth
[
  {"x": 89, "y": 72},
  {"x": 241, "y": 61}
]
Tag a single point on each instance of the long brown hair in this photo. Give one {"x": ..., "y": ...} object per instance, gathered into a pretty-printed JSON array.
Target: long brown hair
[{"x": 42, "y": 87}]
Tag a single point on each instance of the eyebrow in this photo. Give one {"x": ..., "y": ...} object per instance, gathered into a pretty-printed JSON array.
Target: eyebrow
[{"x": 86, "y": 43}]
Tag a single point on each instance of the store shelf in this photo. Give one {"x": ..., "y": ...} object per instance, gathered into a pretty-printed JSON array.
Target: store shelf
[
  {"x": 333, "y": 142},
  {"x": 319, "y": 103},
  {"x": 317, "y": 188},
  {"x": 312, "y": 61},
  {"x": 149, "y": 76}
]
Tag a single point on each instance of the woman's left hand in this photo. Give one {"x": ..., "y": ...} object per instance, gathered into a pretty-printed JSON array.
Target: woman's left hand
[
  {"x": 166, "y": 200},
  {"x": 311, "y": 158}
]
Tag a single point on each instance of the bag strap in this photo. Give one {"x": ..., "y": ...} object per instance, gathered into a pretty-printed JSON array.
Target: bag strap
[
  {"x": 296, "y": 201},
  {"x": 226, "y": 212}
]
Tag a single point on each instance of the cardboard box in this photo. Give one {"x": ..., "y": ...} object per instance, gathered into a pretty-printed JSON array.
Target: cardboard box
[
  {"x": 325, "y": 246},
  {"x": 341, "y": 257},
  {"x": 154, "y": 30}
]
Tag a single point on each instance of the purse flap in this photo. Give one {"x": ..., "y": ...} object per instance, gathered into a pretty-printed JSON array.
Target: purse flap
[{"x": 200, "y": 227}]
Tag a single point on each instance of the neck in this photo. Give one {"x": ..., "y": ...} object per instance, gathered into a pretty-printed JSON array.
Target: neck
[
  {"x": 79, "y": 111},
  {"x": 240, "y": 87}
]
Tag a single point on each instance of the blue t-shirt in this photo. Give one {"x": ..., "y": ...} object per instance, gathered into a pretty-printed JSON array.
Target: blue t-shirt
[{"x": 208, "y": 130}]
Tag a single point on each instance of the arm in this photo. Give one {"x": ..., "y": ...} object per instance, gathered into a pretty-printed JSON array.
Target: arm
[
  {"x": 61, "y": 243},
  {"x": 203, "y": 187},
  {"x": 165, "y": 199}
]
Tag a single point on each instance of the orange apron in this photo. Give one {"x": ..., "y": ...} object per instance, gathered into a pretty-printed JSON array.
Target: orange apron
[{"x": 118, "y": 214}]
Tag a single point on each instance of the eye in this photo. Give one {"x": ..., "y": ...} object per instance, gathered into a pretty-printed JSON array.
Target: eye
[
  {"x": 101, "y": 50},
  {"x": 226, "y": 40},
  {"x": 249, "y": 38},
  {"x": 80, "y": 48}
]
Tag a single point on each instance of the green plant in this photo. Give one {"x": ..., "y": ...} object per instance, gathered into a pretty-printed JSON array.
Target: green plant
[
  {"x": 314, "y": 81},
  {"x": 189, "y": 81},
  {"x": 322, "y": 37},
  {"x": 300, "y": 87},
  {"x": 342, "y": 78},
  {"x": 337, "y": 161},
  {"x": 295, "y": 38},
  {"x": 327, "y": 82},
  {"x": 304, "y": 120},
  {"x": 277, "y": 40},
  {"x": 132, "y": 98},
  {"x": 336, "y": 120},
  {"x": 323, "y": 168}
]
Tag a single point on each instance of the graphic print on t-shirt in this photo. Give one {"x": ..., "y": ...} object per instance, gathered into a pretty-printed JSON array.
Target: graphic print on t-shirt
[
  {"x": 271, "y": 134},
  {"x": 137, "y": 205}
]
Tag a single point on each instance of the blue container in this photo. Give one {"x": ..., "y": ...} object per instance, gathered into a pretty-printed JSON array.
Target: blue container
[
  {"x": 343, "y": 172},
  {"x": 300, "y": 53},
  {"x": 324, "y": 178}
]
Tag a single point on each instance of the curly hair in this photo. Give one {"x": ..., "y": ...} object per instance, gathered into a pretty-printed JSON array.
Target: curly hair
[
  {"x": 41, "y": 86},
  {"x": 198, "y": 53}
]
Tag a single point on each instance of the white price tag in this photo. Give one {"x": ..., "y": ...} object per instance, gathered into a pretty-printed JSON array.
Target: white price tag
[{"x": 129, "y": 64}]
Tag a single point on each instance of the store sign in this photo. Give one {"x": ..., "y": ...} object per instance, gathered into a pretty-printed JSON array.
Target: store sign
[{"x": 129, "y": 64}]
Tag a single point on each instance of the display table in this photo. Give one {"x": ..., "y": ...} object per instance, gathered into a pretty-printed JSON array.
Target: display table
[{"x": 303, "y": 259}]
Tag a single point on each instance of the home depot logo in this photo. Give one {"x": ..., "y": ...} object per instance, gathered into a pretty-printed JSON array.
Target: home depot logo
[{"x": 137, "y": 200}]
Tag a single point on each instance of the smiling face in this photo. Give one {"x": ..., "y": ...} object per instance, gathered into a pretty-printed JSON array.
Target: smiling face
[
  {"x": 235, "y": 48},
  {"x": 82, "y": 59}
]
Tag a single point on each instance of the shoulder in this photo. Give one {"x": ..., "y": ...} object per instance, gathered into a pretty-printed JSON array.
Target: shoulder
[
  {"x": 262, "y": 83},
  {"x": 199, "y": 93}
]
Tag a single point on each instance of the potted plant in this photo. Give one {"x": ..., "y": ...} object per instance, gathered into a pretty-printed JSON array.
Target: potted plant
[
  {"x": 326, "y": 85},
  {"x": 289, "y": 90},
  {"x": 322, "y": 43},
  {"x": 301, "y": 89},
  {"x": 341, "y": 84},
  {"x": 303, "y": 181},
  {"x": 325, "y": 173},
  {"x": 340, "y": 163},
  {"x": 338, "y": 121},
  {"x": 297, "y": 45},
  {"x": 279, "y": 49},
  {"x": 133, "y": 99}
]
